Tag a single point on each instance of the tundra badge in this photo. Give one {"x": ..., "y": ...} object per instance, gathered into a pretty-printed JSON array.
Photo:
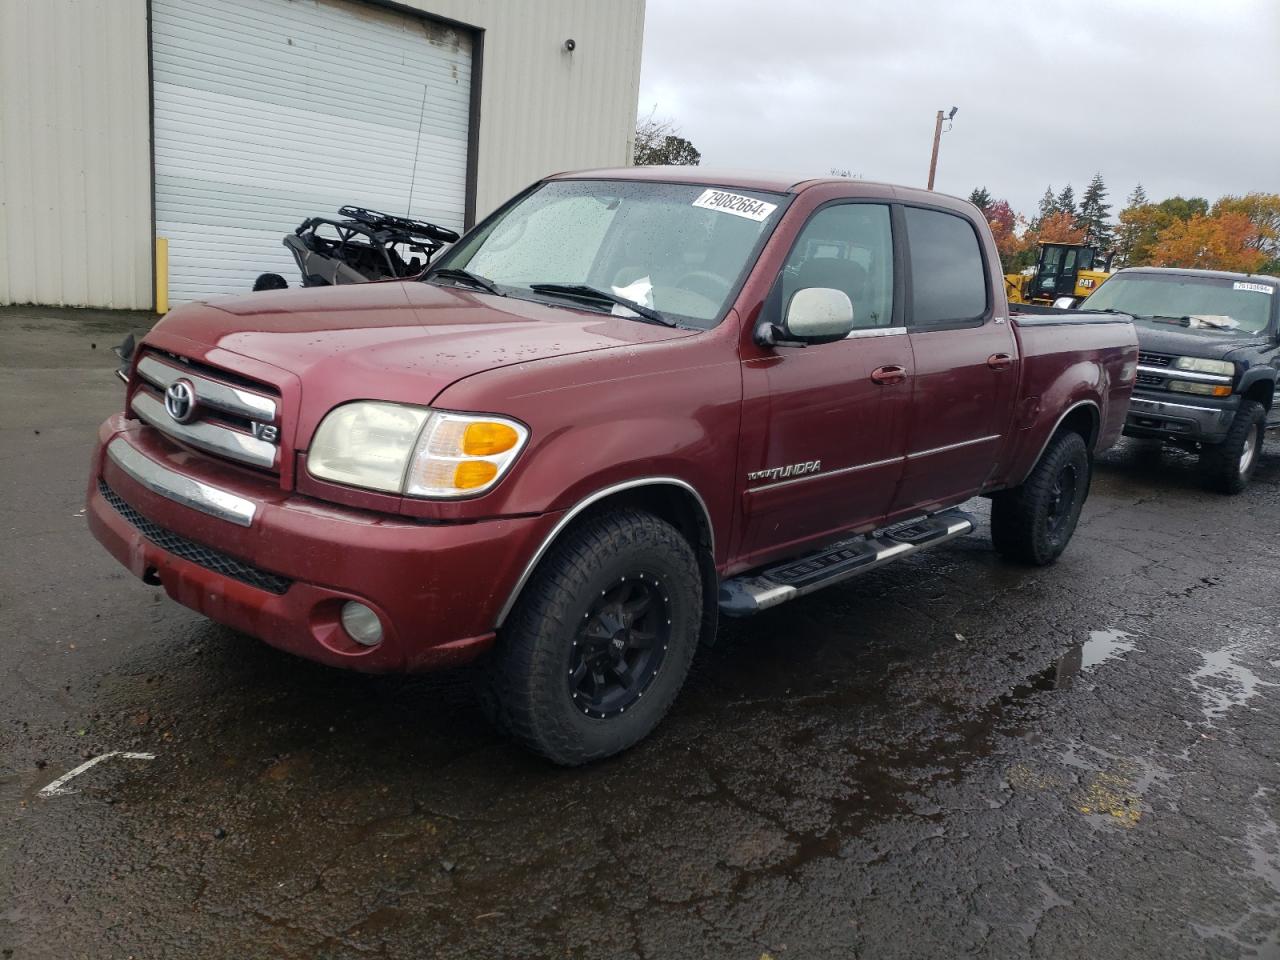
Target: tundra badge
[{"x": 790, "y": 470}]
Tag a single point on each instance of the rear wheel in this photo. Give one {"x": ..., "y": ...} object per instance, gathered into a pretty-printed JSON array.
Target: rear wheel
[
  {"x": 1227, "y": 467},
  {"x": 600, "y": 641},
  {"x": 1033, "y": 523}
]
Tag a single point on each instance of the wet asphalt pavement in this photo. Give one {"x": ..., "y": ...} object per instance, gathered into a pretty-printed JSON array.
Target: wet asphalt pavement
[{"x": 952, "y": 756}]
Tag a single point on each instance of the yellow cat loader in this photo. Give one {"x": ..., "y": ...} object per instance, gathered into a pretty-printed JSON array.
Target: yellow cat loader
[{"x": 1071, "y": 270}]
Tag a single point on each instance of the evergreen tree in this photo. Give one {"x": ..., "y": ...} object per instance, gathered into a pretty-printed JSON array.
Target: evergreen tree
[
  {"x": 981, "y": 198},
  {"x": 1066, "y": 202},
  {"x": 1094, "y": 213},
  {"x": 1048, "y": 207},
  {"x": 1133, "y": 225}
]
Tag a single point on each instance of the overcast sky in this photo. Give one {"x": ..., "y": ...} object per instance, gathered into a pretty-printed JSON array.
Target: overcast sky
[{"x": 1182, "y": 96}]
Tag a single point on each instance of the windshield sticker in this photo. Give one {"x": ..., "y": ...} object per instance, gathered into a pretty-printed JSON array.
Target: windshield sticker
[
  {"x": 1255, "y": 287},
  {"x": 735, "y": 203}
]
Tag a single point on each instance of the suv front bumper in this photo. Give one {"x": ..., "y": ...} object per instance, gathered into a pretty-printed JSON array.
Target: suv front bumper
[
  {"x": 1196, "y": 419},
  {"x": 279, "y": 566}
]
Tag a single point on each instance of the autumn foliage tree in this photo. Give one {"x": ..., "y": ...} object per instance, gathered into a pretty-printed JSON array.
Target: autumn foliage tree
[
  {"x": 1228, "y": 241},
  {"x": 1263, "y": 209},
  {"x": 1060, "y": 227},
  {"x": 1004, "y": 227}
]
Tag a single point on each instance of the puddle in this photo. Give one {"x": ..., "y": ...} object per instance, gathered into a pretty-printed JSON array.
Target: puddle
[
  {"x": 1222, "y": 682},
  {"x": 1104, "y": 645}
]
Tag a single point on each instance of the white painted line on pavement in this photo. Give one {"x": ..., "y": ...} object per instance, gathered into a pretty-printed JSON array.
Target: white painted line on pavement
[{"x": 56, "y": 789}]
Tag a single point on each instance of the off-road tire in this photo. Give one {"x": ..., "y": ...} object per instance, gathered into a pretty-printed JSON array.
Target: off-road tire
[
  {"x": 525, "y": 687},
  {"x": 1222, "y": 465},
  {"x": 1033, "y": 523}
]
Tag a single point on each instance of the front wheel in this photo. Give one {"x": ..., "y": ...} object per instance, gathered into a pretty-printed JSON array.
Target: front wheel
[
  {"x": 1033, "y": 523},
  {"x": 600, "y": 641},
  {"x": 1227, "y": 467}
]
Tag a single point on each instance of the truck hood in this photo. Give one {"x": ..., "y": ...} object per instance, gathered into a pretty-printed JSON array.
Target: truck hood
[
  {"x": 401, "y": 341},
  {"x": 1157, "y": 337}
]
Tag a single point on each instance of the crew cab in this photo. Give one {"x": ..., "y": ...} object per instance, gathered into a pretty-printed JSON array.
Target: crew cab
[
  {"x": 625, "y": 403},
  {"x": 1208, "y": 363}
]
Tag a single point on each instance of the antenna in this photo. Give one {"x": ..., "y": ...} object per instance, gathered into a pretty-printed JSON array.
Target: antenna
[{"x": 417, "y": 147}]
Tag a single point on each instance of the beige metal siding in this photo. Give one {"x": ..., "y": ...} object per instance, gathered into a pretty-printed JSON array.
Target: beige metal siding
[
  {"x": 75, "y": 153},
  {"x": 543, "y": 109}
]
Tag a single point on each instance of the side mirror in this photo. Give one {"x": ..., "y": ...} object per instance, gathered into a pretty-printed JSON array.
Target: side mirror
[
  {"x": 1065, "y": 303},
  {"x": 815, "y": 314}
]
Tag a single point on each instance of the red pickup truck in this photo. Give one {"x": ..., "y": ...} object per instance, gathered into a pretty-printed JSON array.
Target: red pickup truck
[{"x": 626, "y": 402}]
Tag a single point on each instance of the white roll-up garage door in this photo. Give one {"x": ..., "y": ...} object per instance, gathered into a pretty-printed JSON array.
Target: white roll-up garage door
[{"x": 271, "y": 111}]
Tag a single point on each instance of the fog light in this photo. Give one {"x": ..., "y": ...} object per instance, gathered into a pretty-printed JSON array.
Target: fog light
[{"x": 361, "y": 624}]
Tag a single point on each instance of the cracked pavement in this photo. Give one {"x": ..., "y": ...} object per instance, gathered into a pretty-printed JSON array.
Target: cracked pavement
[{"x": 949, "y": 756}]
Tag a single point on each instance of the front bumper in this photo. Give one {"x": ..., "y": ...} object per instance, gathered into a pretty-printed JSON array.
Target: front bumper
[
  {"x": 1195, "y": 419},
  {"x": 279, "y": 566}
]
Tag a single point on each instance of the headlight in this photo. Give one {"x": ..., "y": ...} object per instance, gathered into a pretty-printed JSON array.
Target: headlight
[
  {"x": 1224, "y": 367},
  {"x": 416, "y": 451},
  {"x": 1200, "y": 389}
]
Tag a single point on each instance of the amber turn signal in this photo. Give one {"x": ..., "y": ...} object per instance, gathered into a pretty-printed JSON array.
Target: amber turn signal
[
  {"x": 485, "y": 438},
  {"x": 474, "y": 473}
]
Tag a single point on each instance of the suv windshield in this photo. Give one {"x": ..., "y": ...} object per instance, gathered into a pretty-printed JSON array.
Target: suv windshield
[
  {"x": 675, "y": 248},
  {"x": 1218, "y": 303}
]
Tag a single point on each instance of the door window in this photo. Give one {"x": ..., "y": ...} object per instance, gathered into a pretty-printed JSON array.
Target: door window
[
  {"x": 849, "y": 247},
  {"x": 948, "y": 283}
]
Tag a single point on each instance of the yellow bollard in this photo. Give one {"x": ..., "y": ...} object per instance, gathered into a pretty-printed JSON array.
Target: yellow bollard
[{"x": 162, "y": 275}]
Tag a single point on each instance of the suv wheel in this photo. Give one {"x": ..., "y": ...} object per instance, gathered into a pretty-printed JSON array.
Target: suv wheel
[
  {"x": 1033, "y": 523},
  {"x": 600, "y": 641},
  {"x": 1228, "y": 466}
]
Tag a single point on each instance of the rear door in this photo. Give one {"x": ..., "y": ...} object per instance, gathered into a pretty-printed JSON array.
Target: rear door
[{"x": 965, "y": 362}]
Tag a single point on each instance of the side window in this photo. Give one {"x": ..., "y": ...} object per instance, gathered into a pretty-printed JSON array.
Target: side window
[
  {"x": 948, "y": 283},
  {"x": 848, "y": 246}
]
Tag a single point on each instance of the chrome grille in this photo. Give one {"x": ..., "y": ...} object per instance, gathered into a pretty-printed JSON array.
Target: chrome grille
[
  {"x": 1155, "y": 359},
  {"x": 1148, "y": 380},
  {"x": 229, "y": 416}
]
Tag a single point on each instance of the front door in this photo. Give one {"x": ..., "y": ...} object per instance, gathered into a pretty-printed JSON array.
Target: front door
[
  {"x": 966, "y": 365},
  {"x": 823, "y": 426}
]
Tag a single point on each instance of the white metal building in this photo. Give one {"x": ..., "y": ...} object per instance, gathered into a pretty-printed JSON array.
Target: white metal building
[{"x": 220, "y": 126}]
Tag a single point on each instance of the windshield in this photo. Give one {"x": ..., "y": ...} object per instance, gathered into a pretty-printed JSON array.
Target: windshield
[
  {"x": 1218, "y": 303},
  {"x": 679, "y": 249}
]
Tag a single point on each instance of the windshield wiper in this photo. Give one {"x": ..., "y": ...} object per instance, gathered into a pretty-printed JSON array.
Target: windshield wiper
[
  {"x": 583, "y": 291},
  {"x": 466, "y": 276}
]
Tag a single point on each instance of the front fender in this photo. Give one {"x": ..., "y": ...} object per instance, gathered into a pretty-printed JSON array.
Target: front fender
[{"x": 1259, "y": 379}]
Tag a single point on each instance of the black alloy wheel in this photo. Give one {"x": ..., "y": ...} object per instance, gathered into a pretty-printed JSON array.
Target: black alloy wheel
[
  {"x": 1062, "y": 499},
  {"x": 620, "y": 645}
]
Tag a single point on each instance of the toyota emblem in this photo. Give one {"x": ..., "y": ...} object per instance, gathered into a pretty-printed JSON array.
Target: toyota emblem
[{"x": 180, "y": 400}]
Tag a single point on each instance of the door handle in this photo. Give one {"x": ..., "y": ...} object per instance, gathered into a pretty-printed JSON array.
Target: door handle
[
  {"x": 1000, "y": 361},
  {"x": 890, "y": 374}
]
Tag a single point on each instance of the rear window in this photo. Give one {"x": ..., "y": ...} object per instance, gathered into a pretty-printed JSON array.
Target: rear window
[{"x": 948, "y": 283}]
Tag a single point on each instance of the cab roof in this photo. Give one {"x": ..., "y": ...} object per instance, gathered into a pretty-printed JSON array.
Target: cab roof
[{"x": 748, "y": 180}]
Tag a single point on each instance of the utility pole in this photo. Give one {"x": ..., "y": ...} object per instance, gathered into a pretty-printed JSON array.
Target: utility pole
[
  {"x": 933, "y": 160},
  {"x": 937, "y": 137}
]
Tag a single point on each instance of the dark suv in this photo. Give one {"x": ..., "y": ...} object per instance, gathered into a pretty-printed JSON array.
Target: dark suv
[{"x": 1208, "y": 362}]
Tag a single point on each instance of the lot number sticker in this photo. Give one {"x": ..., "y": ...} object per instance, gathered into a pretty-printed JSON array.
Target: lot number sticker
[
  {"x": 735, "y": 203},
  {"x": 1255, "y": 287}
]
